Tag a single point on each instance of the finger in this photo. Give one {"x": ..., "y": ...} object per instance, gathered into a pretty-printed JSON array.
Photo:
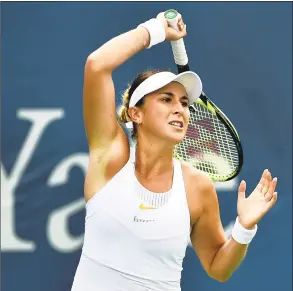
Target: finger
[
  {"x": 180, "y": 23},
  {"x": 268, "y": 180},
  {"x": 272, "y": 202},
  {"x": 241, "y": 190},
  {"x": 261, "y": 182},
  {"x": 181, "y": 26},
  {"x": 173, "y": 34},
  {"x": 184, "y": 32},
  {"x": 271, "y": 190}
]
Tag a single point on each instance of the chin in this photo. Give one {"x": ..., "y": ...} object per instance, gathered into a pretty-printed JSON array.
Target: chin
[
  {"x": 179, "y": 140},
  {"x": 176, "y": 138},
  {"x": 171, "y": 136}
]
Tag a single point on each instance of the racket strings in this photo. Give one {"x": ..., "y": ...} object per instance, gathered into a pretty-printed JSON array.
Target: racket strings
[{"x": 208, "y": 144}]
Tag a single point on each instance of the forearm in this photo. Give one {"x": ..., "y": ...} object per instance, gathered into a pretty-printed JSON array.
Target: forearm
[
  {"x": 227, "y": 259},
  {"x": 119, "y": 49}
]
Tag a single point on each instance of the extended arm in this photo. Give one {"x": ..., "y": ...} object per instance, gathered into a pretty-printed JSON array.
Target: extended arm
[{"x": 219, "y": 256}]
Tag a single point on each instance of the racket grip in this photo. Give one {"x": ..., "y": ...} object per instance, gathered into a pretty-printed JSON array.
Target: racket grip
[{"x": 178, "y": 47}]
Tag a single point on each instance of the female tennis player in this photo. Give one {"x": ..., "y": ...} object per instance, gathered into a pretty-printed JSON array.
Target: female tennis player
[{"x": 142, "y": 205}]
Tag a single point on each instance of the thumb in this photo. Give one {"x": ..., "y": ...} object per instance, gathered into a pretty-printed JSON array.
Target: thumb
[{"x": 241, "y": 190}]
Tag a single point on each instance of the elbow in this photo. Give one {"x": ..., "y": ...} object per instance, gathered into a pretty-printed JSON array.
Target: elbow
[
  {"x": 95, "y": 63},
  {"x": 221, "y": 277}
]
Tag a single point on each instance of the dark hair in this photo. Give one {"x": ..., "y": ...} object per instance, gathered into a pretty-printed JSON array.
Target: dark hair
[{"x": 123, "y": 115}]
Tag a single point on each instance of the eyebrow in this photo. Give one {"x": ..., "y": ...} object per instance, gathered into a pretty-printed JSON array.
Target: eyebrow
[{"x": 172, "y": 95}]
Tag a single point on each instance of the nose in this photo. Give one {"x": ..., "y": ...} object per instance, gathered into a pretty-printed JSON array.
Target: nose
[{"x": 178, "y": 108}]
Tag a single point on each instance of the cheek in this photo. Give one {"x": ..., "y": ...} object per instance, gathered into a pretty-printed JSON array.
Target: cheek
[
  {"x": 158, "y": 111},
  {"x": 187, "y": 115},
  {"x": 153, "y": 117}
]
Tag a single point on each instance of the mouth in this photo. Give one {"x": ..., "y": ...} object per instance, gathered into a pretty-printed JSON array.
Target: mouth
[{"x": 177, "y": 124}]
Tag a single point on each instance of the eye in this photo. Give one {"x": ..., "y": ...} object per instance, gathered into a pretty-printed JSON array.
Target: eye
[
  {"x": 167, "y": 99},
  {"x": 185, "y": 103}
]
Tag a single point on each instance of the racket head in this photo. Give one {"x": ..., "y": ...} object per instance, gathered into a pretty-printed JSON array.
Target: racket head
[{"x": 212, "y": 143}]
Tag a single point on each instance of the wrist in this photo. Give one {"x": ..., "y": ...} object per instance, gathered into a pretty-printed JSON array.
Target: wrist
[
  {"x": 241, "y": 234},
  {"x": 246, "y": 226},
  {"x": 156, "y": 30}
]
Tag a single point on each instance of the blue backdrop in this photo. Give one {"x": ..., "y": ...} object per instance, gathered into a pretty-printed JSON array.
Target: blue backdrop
[{"x": 243, "y": 53}]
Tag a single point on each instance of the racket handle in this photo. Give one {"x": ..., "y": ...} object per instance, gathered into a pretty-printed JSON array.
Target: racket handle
[{"x": 178, "y": 47}]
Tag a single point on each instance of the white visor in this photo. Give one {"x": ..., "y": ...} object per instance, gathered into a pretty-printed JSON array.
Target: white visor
[{"x": 190, "y": 80}]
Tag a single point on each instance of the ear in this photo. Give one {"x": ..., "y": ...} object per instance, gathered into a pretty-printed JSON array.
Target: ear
[{"x": 135, "y": 114}]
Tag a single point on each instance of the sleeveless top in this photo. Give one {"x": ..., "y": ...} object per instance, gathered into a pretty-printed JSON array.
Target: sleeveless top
[{"x": 135, "y": 240}]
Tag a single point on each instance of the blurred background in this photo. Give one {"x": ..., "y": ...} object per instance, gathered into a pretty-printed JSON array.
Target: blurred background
[{"x": 243, "y": 53}]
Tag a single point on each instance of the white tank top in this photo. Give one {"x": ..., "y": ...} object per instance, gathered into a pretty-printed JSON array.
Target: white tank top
[{"x": 135, "y": 240}]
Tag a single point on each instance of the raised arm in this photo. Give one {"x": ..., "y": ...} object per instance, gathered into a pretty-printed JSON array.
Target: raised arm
[{"x": 99, "y": 93}]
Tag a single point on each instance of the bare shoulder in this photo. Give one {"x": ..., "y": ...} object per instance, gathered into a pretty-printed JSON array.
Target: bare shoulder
[
  {"x": 200, "y": 191},
  {"x": 196, "y": 178}
]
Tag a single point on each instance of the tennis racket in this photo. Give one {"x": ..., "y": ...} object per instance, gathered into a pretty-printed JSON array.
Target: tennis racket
[{"x": 212, "y": 143}]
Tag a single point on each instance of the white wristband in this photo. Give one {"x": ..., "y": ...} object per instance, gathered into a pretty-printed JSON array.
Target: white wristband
[
  {"x": 242, "y": 235},
  {"x": 156, "y": 30}
]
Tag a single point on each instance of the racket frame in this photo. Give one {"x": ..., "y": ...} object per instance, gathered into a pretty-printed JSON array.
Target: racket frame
[{"x": 225, "y": 121}]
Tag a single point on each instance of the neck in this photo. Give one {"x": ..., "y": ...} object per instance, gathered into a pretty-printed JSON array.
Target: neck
[{"x": 152, "y": 159}]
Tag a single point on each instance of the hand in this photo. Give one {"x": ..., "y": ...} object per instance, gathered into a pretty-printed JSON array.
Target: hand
[
  {"x": 261, "y": 200},
  {"x": 171, "y": 33}
]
